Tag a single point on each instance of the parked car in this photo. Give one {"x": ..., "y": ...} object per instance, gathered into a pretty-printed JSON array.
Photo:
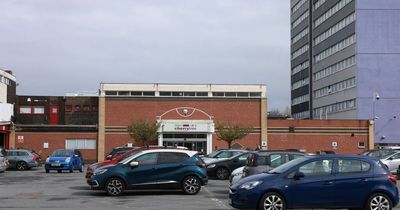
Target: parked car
[
  {"x": 223, "y": 168},
  {"x": 117, "y": 151},
  {"x": 264, "y": 161},
  {"x": 161, "y": 168},
  {"x": 22, "y": 159},
  {"x": 64, "y": 159},
  {"x": 127, "y": 154},
  {"x": 379, "y": 153},
  {"x": 221, "y": 154},
  {"x": 3, "y": 163},
  {"x": 236, "y": 175},
  {"x": 392, "y": 161},
  {"x": 328, "y": 181}
]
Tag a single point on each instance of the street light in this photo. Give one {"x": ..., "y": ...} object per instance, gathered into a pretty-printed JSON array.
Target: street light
[{"x": 375, "y": 98}]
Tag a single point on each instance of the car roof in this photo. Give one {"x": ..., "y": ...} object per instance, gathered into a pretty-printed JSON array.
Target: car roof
[
  {"x": 266, "y": 152},
  {"x": 343, "y": 156},
  {"x": 188, "y": 152}
]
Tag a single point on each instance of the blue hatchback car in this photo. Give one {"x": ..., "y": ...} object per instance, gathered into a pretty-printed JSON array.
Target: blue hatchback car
[
  {"x": 64, "y": 159},
  {"x": 161, "y": 168},
  {"x": 328, "y": 181}
]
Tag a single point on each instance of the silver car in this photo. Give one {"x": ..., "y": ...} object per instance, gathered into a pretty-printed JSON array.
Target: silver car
[
  {"x": 3, "y": 163},
  {"x": 392, "y": 161},
  {"x": 22, "y": 159}
]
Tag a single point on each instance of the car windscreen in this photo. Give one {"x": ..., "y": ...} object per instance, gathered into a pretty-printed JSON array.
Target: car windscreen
[
  {"x": 127, "y": 159},
  {"x": 128, "y": 155},
  {"x": 213, "y": 154},
  {"x": 282, "y": 168},
  {"x": 62, "y": 153},
  {"x": 388, "y": 155}
]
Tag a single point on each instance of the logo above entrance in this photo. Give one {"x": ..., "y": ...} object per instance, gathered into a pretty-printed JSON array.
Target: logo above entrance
[
  {"x": 185, "y": 113},
  {"x": 185, "y": 126}
]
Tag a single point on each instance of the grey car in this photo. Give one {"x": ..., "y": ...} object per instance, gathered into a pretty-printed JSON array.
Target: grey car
[
  {"x": 22, "y": 159},
  {"x": 264, "y": 161}
]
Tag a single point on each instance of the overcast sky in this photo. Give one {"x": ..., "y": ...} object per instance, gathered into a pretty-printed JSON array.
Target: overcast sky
[{"x": 57, "y": 47}]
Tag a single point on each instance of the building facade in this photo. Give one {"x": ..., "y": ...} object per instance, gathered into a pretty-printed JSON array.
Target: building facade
[
  {"x": 344, "y": 61},
  {"x": 187, "y": 113},
  {"x": 47, "y": 123},
  {"x": 7, "y": 99}
]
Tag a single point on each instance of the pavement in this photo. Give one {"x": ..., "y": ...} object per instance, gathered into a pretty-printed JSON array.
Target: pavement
[{"x": 34, "y": 189}]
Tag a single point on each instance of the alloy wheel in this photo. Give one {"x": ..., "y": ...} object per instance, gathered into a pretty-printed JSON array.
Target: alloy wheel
[
  {"x": 379, "y": 202},
  {"x": 222, "y": 173},
  {"x": 191, "y": 185},
  {"x": 115, "y": 187},
  {"x": 273, "y": 201},
  {"x": 21, "y": 166}
]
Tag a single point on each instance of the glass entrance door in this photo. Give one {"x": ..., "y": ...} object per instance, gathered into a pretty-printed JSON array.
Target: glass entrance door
[{"x": 196, "y": 142}]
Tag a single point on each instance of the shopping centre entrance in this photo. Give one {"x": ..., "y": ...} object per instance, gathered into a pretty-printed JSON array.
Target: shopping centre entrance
[{"x": 193, "y": 141}]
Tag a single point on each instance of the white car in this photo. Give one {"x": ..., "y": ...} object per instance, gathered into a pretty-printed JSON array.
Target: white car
[
  {"x": 392, "y": 161},
  {"x": 236, "y": 175}
]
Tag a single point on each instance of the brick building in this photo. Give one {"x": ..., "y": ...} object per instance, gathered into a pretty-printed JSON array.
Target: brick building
[
  {"x": 47, "y": 123},
  {"x": 187, "y": 113}
]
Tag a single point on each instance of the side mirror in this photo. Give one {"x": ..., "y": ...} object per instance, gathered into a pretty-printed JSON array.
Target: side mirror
[
  {"x": 134, "y": 164},
  {"x": 236, "y": 160},
  {"x": 76, "y": 155},
  {"x": 391, "y": 158},
  {"x": 298, "y": 175}
]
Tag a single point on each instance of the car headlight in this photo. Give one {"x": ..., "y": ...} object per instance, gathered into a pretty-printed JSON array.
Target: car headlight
[
  {"x": 67, "y": 160},
  {"x": 100, "y": 171},
  {"x": 211, "y": 166},
  {"x": 47, "y": 160},
  {"x": 250, "y": 185}
]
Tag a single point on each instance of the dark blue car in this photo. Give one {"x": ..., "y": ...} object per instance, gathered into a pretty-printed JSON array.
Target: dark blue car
[
  {"x": 64, "y": 159},
  {"x": 161, "y": 168},
  {"x": 328, "y": 181}
]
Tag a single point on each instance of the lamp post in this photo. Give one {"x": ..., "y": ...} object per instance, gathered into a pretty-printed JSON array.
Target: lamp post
[{"x": 375, "y": 98}]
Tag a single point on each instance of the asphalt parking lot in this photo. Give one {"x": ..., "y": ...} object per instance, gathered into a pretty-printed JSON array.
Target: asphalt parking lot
[{"x": 34, "y": 189}]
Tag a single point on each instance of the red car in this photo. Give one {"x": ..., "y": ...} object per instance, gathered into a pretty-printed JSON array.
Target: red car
[{"x": 118, "y": 158}]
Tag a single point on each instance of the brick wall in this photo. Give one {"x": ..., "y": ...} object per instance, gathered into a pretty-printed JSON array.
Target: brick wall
[
  {"x": 317, "y": 135},
  {"x": 56, "y": 140}
]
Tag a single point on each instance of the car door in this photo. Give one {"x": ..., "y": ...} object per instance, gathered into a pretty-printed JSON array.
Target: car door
[
  {"x": 77, "y": 159},
  {"x": 352, "y": 182},
  {"x": 316, "y": 188},
  {"x": 145, "y": 172},
  {"x": 170, "y": 167}
]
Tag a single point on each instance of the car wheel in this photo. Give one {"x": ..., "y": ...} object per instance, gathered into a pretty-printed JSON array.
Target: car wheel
[
  {"x": 191, "y": 185},
  {"x": 222, "y": 173},
  {"x": 115, "y": 186},
  {"x": 379, "y": 201},
  {"x": 21, "y": 166},
  {"x": 272, "y": 201}
]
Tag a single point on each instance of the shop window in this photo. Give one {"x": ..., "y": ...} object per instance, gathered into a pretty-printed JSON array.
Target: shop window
[
  {"x": 148, "y": 93},
  {"x": 136, "y": 93},
  {"x": 165, "y": 93},
  {"x": 94, "y": 108},
  {"x": 86, "y": 108},
  {"x": 68, "y": 108},
  {"x": 189, "y": 93},
  {"x": 177, "y": 93},
  {"x": 218, "y": 94},
  {"x": 38, "y": 110},
  {"x": 80, "y": 144},
  {"x": 77, "y": 108},
  {"x": 111, "y": 93},
  {"x": 25, "y": 110},
  {"x": 201, "y": 93}
]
